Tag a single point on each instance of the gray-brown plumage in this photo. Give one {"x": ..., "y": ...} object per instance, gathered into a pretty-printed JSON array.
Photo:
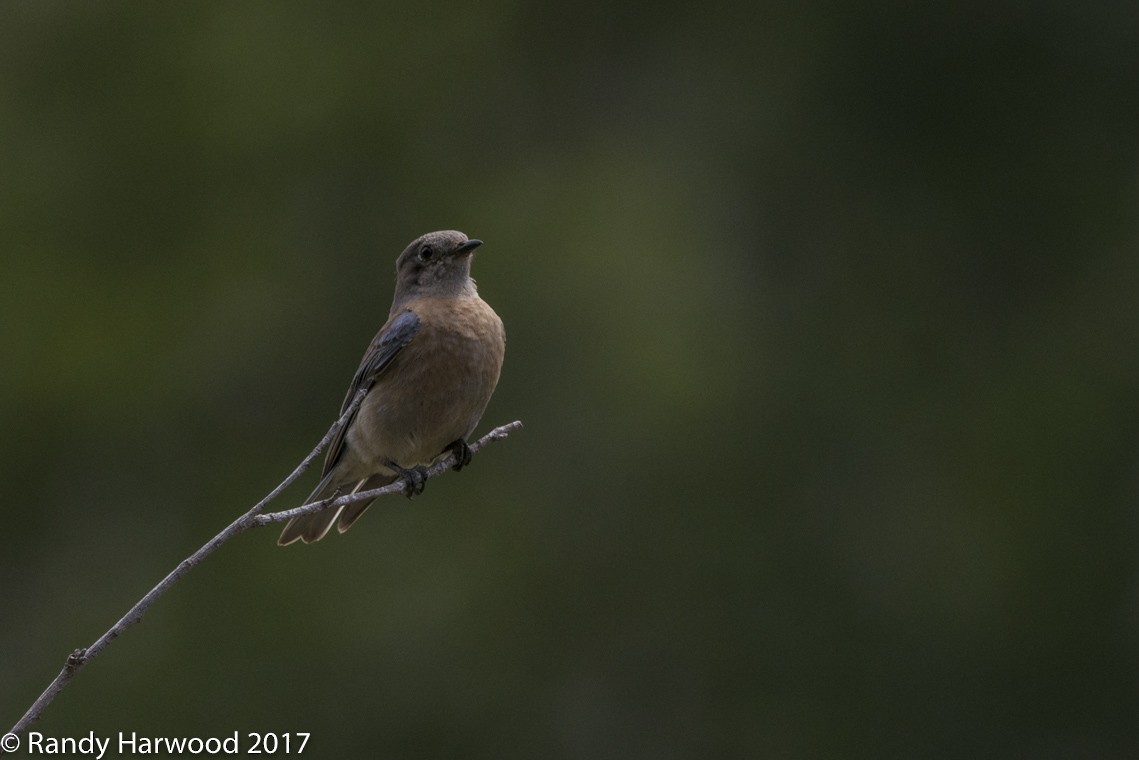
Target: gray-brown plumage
[{"x": 431, "y": 369}]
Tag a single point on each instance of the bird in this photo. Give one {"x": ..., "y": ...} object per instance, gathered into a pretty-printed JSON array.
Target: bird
[{"x": 430, "y": 372}]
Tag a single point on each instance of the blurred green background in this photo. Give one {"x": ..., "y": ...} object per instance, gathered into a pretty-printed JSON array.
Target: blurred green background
[{"x": 822, "y": 320}]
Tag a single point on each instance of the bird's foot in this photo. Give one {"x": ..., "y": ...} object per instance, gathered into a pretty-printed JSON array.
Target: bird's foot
[
  {"x": 462, "y": 454},
  {"x": 414, "y": 478}
]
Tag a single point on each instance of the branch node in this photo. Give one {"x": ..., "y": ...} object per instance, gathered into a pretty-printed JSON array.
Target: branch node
[{"x": 77, "y": 658}]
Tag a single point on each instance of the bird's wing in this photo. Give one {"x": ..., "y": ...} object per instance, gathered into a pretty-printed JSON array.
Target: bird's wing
[{"x": 396, "y": 334}]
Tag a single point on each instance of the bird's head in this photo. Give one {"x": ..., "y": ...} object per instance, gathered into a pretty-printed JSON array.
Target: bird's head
[{"x": 438, "y": 263}]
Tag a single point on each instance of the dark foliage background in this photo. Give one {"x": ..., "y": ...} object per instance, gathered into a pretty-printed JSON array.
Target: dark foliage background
[{"x": 822, "y": 321}]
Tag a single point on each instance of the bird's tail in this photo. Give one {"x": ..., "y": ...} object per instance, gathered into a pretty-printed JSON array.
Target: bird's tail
[
  {"x": 352, "y": 512},
  {"x": 313, "y": 527}
]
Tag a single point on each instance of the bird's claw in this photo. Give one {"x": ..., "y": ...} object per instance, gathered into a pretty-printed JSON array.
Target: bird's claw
[
  {"x": 462, "y": 453},
  {"x": 414, "y": 478}
]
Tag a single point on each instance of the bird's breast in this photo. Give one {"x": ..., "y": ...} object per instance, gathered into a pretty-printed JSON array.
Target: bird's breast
[{"x": 435, "y": 390}]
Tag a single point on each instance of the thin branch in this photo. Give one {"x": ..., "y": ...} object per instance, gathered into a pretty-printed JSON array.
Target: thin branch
[
  {"x": 440, "y": 467},
  {"x": 251, "y": 519}
]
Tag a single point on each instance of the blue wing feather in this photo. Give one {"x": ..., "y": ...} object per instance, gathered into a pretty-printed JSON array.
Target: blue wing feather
[{"x": 391, "y": 340}]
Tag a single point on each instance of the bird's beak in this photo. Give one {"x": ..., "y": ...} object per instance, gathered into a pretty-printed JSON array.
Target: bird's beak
[{"x": 468, "y": 246}]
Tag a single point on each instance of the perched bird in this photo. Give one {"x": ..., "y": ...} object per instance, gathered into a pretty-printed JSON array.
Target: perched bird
[{"x": 431, "y": 371}]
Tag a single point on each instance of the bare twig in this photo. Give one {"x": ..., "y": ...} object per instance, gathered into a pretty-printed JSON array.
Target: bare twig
[
  {"x": 438, "y": 468},
  {"x": 251, "y": 519}
]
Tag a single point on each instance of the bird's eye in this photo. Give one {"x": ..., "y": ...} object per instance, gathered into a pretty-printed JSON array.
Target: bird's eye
[{"x": 426, "y": 252}]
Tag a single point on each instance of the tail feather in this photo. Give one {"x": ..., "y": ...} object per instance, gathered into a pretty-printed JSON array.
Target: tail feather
[
  {"x": 311, "y": 527},
  {"x": 352, "y": 512}
]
